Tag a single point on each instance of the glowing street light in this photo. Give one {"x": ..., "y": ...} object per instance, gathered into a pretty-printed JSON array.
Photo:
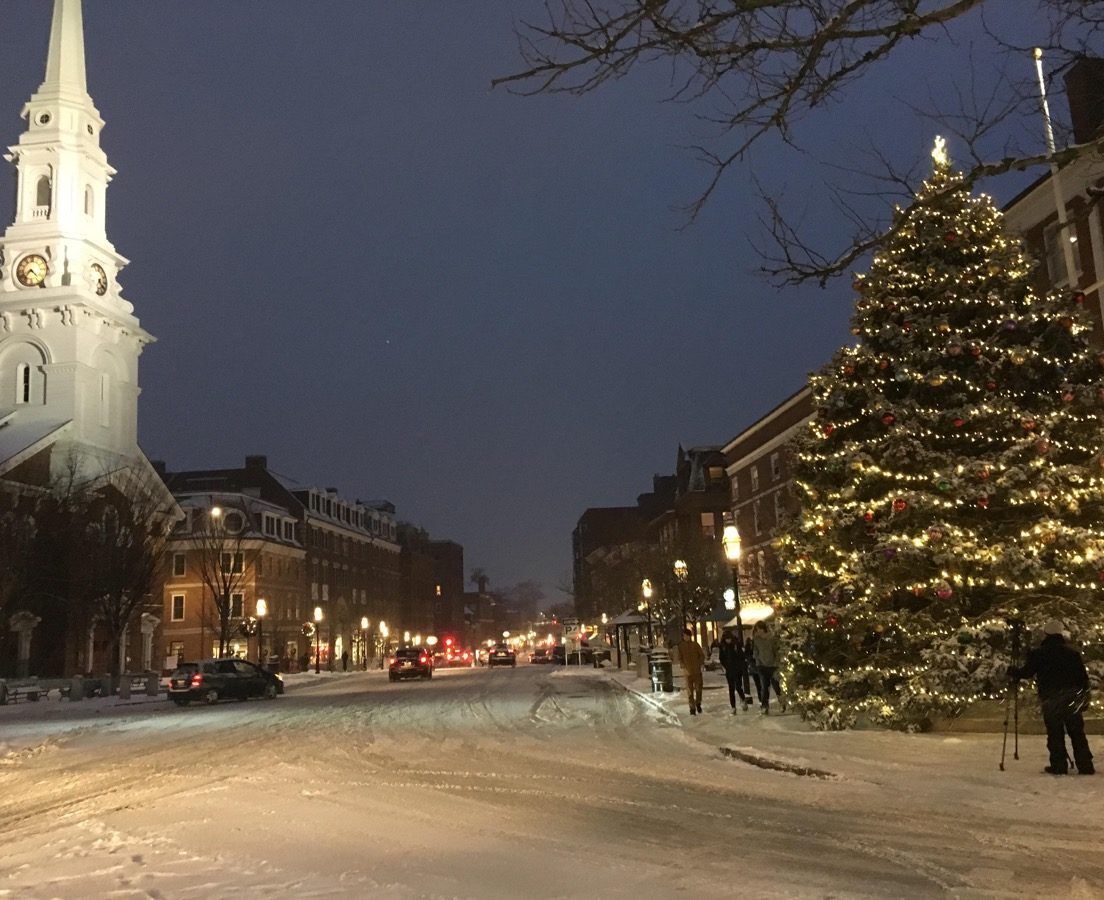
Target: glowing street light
[
  {"x": 317, "y": 639},
  {"x": 262, "y": 610}
]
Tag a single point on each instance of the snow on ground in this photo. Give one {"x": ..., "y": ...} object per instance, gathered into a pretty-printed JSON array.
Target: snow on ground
[{"x": 535, "y": 782}]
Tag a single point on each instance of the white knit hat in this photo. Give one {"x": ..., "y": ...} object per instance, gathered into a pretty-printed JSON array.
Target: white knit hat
[{"x": 1054, "y": 626}]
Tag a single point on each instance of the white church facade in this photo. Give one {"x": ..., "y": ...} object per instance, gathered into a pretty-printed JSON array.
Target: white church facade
[{"x": 69, "y": 341}]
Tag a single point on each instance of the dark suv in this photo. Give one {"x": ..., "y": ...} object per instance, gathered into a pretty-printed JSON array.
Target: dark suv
[
  {"x": 211, "y": 680},
  {"x": 501, "y": 655},
  {"x": 410, "y": 662}
]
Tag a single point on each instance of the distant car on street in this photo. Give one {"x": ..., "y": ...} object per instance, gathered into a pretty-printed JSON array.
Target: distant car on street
[
  {"x": 541, "y": 655},
  {"x": 410, "y": 662},
  {"x": 502, "y": 655},
  {"x": 211, "y": 680}
]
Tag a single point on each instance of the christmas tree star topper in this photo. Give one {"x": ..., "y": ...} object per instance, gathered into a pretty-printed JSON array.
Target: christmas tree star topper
[{"x": 939, "y": 153}]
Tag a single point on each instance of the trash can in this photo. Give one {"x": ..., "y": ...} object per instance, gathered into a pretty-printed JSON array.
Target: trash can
[{"x": 663, "y": 676}]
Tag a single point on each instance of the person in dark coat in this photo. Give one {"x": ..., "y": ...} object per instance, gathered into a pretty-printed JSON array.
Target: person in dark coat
[
  {"x": 734, "y": 664},
  {"x": 1063, "y": 686}
]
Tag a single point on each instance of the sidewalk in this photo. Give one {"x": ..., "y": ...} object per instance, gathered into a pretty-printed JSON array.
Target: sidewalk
[{"x": 784, "y": 743}]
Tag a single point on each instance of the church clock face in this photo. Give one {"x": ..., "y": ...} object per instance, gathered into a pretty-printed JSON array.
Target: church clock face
[
  {"x": 99, "y": 277},
  {"x": 31, "y": 270}
]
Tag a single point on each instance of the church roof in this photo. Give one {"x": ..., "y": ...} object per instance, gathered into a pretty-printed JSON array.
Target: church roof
[{"x": 22, "y": 439}]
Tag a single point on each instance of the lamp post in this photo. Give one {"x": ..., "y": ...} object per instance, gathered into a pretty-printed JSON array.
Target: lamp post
[
  {"x": 646, "y": 605},
  {"x": 364, "y": 641},
  {"x": 262, "y": 610},
  {"x": 317, "y": 639},
  {"x": 681, "y": 573},
  {"x": 384, "y": 631},
  {"x": 730, "y": 540}
]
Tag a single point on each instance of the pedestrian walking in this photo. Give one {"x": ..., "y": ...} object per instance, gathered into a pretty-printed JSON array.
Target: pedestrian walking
[
  {"x": 345, "y": 661},
  {"x": 734, "y": 663},
  {"x": 768, "y": 657},
  {"x": 753, "y": 670},
  {"x": 1063, "y": 686},
  {"x": 692, "y": 659}
]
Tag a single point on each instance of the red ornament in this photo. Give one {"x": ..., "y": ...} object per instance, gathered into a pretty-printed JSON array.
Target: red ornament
[
  {"x": 983, "y": 473},
  {"x": 1066, "y": 322},
  {"x": 944, "y": 592},
  {"x": 950, "y": 237},
  {"x": 990, "y": 385},
  {"x": 983, "y": 502},
  {"x": 1028, "y": 424},
  {"x": 1067, "y": 396},
  {"x": 868, "y": 516},
  {"x": 888, "y": 419},
  {"x": 1042, "y": 448},
  {"x": 1079, "y": 298},
  {"x": 883, "y": 363},
  {"x": 828, "y": 429},
  {"x": 848, "y": 370},
  {"x": 958, "y": 423},
  {"x": 832, "y": 621},
  {"x": 1100, "y": 575},
  {"x": 900, "y": 504}
]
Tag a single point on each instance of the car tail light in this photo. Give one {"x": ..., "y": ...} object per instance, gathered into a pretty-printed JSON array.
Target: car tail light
[
  {"x": 423, "y": 658},
  {"x": 197, "y": 679},
  {"x": 394, "y": 661}
]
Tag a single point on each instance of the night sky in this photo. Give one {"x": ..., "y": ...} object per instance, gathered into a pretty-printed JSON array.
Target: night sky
[{"x": 362, "y": 262}]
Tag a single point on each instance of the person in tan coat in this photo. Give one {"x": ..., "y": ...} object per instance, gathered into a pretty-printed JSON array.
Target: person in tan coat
[{"x": 692, "y": 659}]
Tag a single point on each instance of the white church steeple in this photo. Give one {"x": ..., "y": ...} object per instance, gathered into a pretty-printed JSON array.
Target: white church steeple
[{"x": 69, "y": 342}]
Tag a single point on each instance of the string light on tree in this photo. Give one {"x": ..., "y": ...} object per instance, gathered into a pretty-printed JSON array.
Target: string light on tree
[{"x": 952, "y": 475}]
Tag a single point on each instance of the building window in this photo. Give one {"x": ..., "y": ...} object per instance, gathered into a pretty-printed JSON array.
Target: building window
[
  {"x": 289, "y": 531},
  {"x": 755, "y": 521},
  {"x": 178, "y": 607},
  {"x": 734, "y": 488},
  {"x": 88, "y": 204},
  {"x": 233, "y": 563},
  {"x": 178, "y": 564},
  {"x": 754, "y": 470},
  {"x": 176, "y": 650},
  {"x": 43, "y": 191},
  {"x": 776, "y": 466},
  {"x": 237, "y": 606},
  {"x": 1053, "y": 239},
  {"x": 271, "y": 525},
  {"x": 105, "y": 399},
  {"x": 708, "y": 525},
  {"x": 23, "y": 383},
  {"x": 779, "y": 507}
]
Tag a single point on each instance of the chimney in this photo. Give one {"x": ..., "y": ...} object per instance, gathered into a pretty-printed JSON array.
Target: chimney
[
  {"x": 1085, "y": 95},
  {"x": 256, "y": 463}
]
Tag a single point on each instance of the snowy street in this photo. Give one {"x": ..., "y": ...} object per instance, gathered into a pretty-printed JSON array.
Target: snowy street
[{"x": 528, "y": 782}]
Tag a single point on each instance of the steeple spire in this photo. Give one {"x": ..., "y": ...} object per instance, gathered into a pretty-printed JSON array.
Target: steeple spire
[{"x": 65, "y": 71}]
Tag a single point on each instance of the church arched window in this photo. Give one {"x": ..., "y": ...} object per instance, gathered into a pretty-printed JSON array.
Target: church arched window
[
  {"x": 89, "y": 200},
  {"x": 22, "y": 383},
  {"x": 105, "y": 399},
  {"x": 43, "y": 191}
]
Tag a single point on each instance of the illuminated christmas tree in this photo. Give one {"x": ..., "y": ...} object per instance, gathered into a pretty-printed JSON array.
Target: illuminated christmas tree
[{"x": 952, "y": 477}]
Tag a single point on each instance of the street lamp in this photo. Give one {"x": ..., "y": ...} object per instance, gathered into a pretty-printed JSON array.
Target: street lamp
[
  {"x": 730, "y": 540},
  {"x": 364, "y": 641},
  {"x": 681, "y": 572},
  {"x": 646, "y": 604},
  {"x": 384, "y": 632},
  {"x": 317, "y": 639},
  {"x": 262, "y": 609}
]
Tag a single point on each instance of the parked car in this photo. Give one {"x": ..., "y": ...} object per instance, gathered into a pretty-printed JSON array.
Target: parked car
[
  {"x": 584, "y": 656},
  {"x": 458, "y": 659},
  {"x": 540, "y": 655},
  {"x": 502, "y": 655},
  {"x": 410, "y": 662},
  {"x": 211, "y": 680}
]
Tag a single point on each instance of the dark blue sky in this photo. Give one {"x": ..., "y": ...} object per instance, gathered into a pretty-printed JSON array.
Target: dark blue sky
[{"x": 362, "y": 262}]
